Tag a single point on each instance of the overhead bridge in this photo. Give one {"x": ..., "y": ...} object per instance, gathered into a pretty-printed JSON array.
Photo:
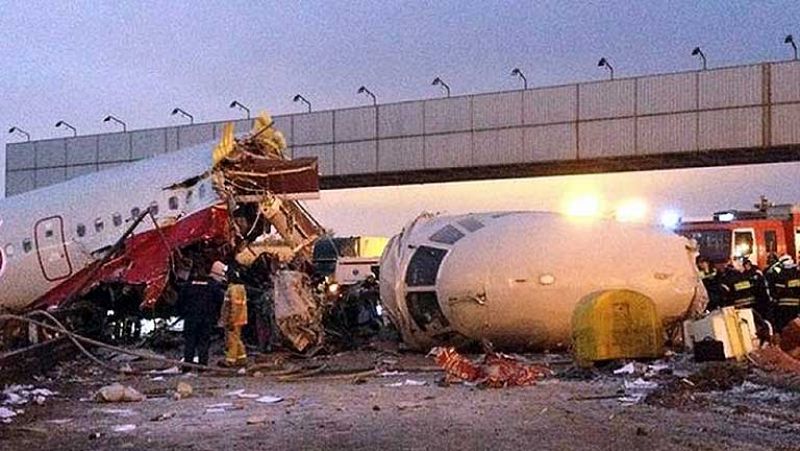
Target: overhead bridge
[{"x": 735, "y": 115}]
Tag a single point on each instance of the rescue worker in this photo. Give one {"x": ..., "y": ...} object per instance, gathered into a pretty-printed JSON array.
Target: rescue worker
[
  {"x": 785, "y": 288},
  {"x": 233, "y": 317},
  {"x": 199, "y": 303},
  {"x": 760, "y": 289},
  {"x": 710, "y": 277},
  {"x": 736, "y": 287}
]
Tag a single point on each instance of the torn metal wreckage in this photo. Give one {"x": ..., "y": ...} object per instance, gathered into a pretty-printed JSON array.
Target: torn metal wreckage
[{"x": 184, "y": 210}]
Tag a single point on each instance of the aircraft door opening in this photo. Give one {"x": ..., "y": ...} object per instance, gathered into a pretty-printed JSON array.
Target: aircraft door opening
[{"x": 51, "y": 248}]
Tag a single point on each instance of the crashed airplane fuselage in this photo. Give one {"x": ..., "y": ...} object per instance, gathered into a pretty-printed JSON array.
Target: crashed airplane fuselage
[
  {"x": 133, "y": 226},
  {"x": 516, "y": 278}
]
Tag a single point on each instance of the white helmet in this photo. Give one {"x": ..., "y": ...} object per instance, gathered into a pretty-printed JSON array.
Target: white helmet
[{"x": 786, "y": 261}]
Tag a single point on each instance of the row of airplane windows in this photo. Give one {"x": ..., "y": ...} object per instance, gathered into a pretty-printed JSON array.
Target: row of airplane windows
[{"x": 116, "y": 219}]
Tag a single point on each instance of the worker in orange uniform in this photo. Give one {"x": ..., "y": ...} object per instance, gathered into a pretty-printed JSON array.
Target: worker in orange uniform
[{"x": 232, "y": 318}]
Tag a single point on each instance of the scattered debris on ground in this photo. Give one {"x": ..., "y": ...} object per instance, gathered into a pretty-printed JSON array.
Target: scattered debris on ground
[{"x": 494, "y": 370}]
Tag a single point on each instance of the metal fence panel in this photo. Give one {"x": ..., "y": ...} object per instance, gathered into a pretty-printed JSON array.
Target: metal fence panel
[
  {"x": 324, "y": 154},
  {"x": 52, "y": 152},
  {"x": 497, "y": 110},
  {"x": 82, "y": 150},
  {"x": 448, "y": 115},
  {"x": 724, "y": 88},
  {"x": 77, "y": 171},
  {"x": 148, "y": 143},
  {"x": 113, "y": 147},
  {"x": 607, "y": 99},
  {"x": 735, "y": 128},
  {"x": 493, "y": 147},
  {"x": 355, "y": 124},
  {"x": 610, "y": 138},
  {"x": 549, "y": 105},
  {"x": 355, "y": 157},
  {"x": 401, "y": 154},
  {"x": 20, "y": 156},
  {"x": 192, "y": 135},
  {"x": 50, "y": 176},
  {"x": 666, "y": 93},
  {"x": 400, "y": 119},
  {"x": 555, "y": 142},
  {"x": 785, "y": 82},
  {"x": 667, "y": 133},
  {"x": 785, "y": 124},
  {"x": 18, "y": 182},
  {"x": 448, "y": 151},
  {"x": 313, "y": 128}
]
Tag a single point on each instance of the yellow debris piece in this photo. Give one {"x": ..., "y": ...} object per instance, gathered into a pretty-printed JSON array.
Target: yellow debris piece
[
  {"x": 616, "y": 324},
  {"x": 225, "y": 146},
  {"x": 264, "y": 130}
]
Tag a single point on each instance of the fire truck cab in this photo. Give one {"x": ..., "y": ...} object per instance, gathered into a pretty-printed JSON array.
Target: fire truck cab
[{"x": 759, "y": 235}]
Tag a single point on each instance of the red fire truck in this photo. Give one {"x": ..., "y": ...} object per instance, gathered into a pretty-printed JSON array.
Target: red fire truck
[{"x": 769, "y": 231}]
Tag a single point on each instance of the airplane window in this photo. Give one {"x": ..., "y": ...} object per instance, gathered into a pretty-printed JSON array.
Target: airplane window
[
  {"x": 48, "y": 233},
  {"x": 154, "y": 208},
  {"x": 189, "y": 196},
  {"x": 424, "y": 266},
  {"x": 9, "y": 251},
  {"x": 81, "y": 230},
  {"x": 173, "y": 203},
  {"x": 135, "y": 213},
  {"x": 447, "y": 235},
  {"x": 470, "y": 224},
  {"x": 425, "y": 311},
  {"x": 27, "y": 245},
  {"x": 98, "y": 225},
  {"x": 116, "y": 218},
  {"x": 201, "y": 191}
]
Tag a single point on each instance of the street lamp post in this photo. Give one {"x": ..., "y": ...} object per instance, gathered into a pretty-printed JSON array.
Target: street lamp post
[
  {"x": 20, "y": 131},
  {"x": 184, "y": 114},
  {"x": 111, "y": 118},
  {"x": 236, "y": 104},
  {"x": 518, "y": 73},
  {"x": 364, "y": 90},
  {"x": 438, "y": 81},
  {"x": 604, "y": 63},
  {"x": 790, "y": 40},
  {"x": 697, "y": 52},
  {"x": 65, "y": 124},
  {"x": 299, "y": 98}
]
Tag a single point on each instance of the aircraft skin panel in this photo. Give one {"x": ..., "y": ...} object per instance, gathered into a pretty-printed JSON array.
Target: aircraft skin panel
[
  {"x": 51, "y": 248},
  {"x": 515, "y": 278}
]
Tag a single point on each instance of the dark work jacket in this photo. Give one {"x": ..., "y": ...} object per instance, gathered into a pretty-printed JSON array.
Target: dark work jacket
[
  {"x": 785, "y": 287},
  {"x": 200, "y": 301}
]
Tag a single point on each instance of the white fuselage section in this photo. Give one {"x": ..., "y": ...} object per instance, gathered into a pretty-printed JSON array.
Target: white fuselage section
[
  {"x": 50, "y": 234},
  {"x": 515, "y": 278}
]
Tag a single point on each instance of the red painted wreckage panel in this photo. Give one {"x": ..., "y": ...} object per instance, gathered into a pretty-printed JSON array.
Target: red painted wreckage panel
[{"x": 145, "y": 257}]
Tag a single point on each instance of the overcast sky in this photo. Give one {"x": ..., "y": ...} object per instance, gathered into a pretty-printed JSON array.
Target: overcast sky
[{"x": 79, "y": 61}]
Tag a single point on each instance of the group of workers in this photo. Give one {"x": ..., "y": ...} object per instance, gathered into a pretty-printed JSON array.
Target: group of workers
[
  {"x": 204, "y": 300},
  {"x": 774, "y": 294}
]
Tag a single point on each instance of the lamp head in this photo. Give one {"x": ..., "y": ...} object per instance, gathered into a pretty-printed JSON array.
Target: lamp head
[
  {"x": 789, "y": 39},
  {"x": 516, "y": 71},
  {"x": 297, "y": 98},
  {"x": 12, "y": 129},
  {"x": 233, "y": 104},
  {"x": 59, "y": 123},
  {"x": 696, "y": 51},
  {"x": 362, "y": 90},
  {"x": 602, "y": 62},
  {"x": 437, "y": 81},
  {"x": 108, "y": 118},
  {"x": 175, "y": 111}
]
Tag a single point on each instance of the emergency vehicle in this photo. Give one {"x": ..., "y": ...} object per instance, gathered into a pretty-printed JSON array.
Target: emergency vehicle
[{"x": 760, "y": 235}]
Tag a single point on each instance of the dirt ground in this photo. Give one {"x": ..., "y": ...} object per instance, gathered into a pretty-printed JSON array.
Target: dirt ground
[{"x": 572, "y": 410}]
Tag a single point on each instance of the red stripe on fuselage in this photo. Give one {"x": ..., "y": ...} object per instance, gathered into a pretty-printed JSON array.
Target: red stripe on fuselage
[{"x": 145, "y": 258}]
